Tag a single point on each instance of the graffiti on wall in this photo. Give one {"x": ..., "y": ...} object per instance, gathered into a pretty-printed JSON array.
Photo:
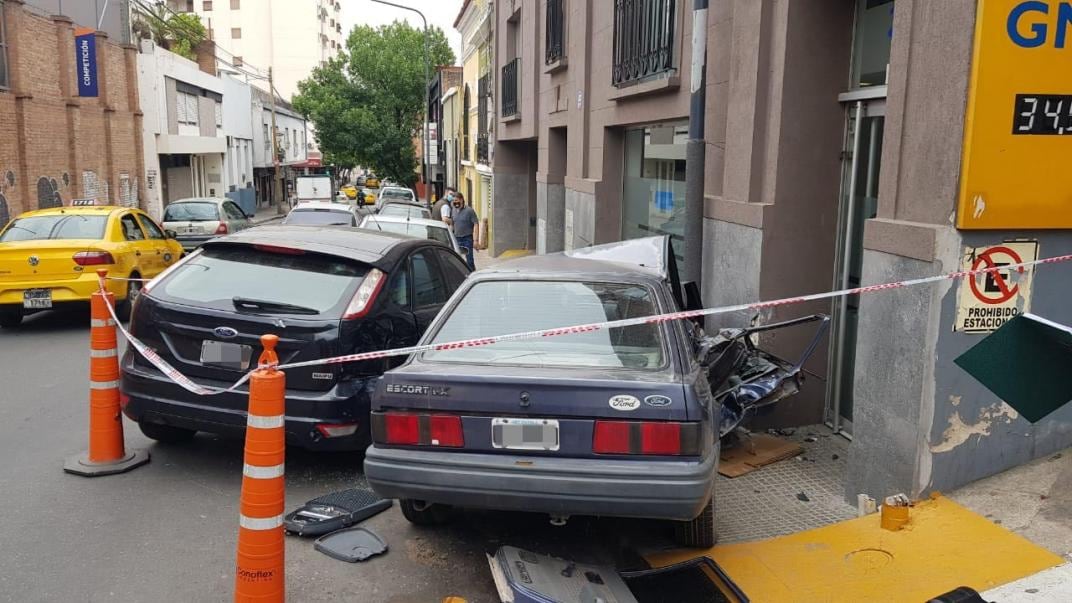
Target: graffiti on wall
[
  {"x": 93, "y": 187},
  {"x": 48, "y": 195},
  {"x": 128, "y": 190},
  {"x": 5, "y": 214}
]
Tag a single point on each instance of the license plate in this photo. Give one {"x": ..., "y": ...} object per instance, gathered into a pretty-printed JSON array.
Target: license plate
[
  {"x": 226, "y": 355},
  {"x": 37, "y": 298},
  {"x": 524, "y": 434}
]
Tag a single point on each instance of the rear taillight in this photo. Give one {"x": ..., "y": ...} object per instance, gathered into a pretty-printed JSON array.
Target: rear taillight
[
  {"x": 336, "y": 430},
  {"x": 222, "y": 228},
  {"x": 93, "y": 258},
  {"x": 446, "y": 431},
  {"x": 366, "y": 295},
  {"x": 414, "y": 429},
  {"x": 402, "y": 429},
  {"x": 665, "y": 438}
]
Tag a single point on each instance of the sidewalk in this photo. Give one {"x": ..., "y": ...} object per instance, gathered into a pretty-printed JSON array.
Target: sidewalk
[{"x": 266, "y": 214}]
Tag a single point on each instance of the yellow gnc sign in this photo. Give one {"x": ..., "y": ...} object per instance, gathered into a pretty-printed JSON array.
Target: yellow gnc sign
[{"x": 1017, "y": 164}]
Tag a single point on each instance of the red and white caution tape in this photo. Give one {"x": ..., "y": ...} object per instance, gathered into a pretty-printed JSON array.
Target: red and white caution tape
[{"x": 189, "y": 385}]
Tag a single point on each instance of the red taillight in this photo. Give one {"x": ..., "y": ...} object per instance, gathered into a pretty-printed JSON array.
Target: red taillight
[
  {"x": 611, "y": 437},
  {"x": 643, "y": 437},
  {"x": 660, "y": 438},
  {"x": 336, "y": 430},
  {"x": 402, "y": 429},
  {"x": 222, "y": 228},
  {"x": 93, "y": 258},
  {"x": 366, "y": 295},
  {"x": 447, "y": 431}
]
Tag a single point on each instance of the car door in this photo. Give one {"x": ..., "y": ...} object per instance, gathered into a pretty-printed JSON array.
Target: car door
[
  {"x": 145, "y": 261},
  {"x": 429, "y": 287},
  {"x": 162, "y": 254},
  {"x": 455, "y": 270},
  {"x": 236, "y": 218}
]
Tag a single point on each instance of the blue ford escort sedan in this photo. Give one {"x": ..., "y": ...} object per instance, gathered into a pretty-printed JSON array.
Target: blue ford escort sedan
[{"x": 609, "y": 422}]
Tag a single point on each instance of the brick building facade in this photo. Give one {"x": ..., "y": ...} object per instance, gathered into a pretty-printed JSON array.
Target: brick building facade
[{"x": 54, "y": 145}]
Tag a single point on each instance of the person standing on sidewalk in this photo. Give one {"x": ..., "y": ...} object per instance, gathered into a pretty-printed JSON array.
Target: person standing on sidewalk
[
  {"x": 464, "y": 220},
  {"x": 441, "y": 209}
]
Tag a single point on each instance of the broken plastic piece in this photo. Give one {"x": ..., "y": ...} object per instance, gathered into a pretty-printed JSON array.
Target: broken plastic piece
[{"x": 351, "y": 545}]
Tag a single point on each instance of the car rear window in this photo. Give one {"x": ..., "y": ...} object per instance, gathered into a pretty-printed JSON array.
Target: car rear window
[
  {"x": 320, "y": 217},
  {"x": 192, "y": 212},
  {"x": 69, "y": 226},
  {"x": 493, "y": 308},
  {"x": 406, "y": 211},
  {"x": 422, "y": 231},
  {"x": 220, "y": 274}
]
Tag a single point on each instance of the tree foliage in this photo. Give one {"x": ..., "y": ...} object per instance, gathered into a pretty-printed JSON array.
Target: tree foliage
[
  {"x": 368, "y": 102},
  {"x": 179, "y": 33}
]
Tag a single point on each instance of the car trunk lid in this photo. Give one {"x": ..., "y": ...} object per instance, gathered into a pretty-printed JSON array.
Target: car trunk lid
[{"x": 42, "y": 259}]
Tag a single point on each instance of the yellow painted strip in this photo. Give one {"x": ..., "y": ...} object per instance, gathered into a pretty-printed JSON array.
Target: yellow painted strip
[
  {"x": 943, "y": 546},
  {"x": 515, "y": 253}
]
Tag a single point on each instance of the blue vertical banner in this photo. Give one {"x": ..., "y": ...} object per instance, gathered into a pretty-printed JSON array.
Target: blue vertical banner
[{"x": 85, "y": 60}]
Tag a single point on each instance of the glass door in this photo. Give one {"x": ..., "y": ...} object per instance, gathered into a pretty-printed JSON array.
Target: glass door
[{"x": 862, "y": 162}]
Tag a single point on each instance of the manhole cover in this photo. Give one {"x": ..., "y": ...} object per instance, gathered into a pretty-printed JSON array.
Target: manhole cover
[{"x": 867, "y": 560}]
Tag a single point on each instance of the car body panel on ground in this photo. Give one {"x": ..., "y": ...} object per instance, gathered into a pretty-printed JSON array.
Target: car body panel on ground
[
  {"x": 198, "y": 219},
  {"x": 421, "y": 228},
  {"x": 51, "y": 257},
  {"x": 325, "y": 292}
]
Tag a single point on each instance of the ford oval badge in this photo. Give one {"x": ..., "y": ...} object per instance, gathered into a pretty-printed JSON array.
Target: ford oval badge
[
  {"x": 225, "y": 332},
  {"x": 658, "y": 401},
  {"x": 624, "y": 402}
]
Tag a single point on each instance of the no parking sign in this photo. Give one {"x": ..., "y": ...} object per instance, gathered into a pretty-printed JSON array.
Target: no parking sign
[{"x": 987, "y": 301}]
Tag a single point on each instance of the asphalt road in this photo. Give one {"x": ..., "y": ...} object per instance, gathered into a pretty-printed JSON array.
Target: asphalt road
[{"x": 166, "y": 531}]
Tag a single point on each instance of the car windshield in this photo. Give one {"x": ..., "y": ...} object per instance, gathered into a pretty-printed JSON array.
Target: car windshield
[
  {"x": 219, "y": 275},
  {"x": 493, "y": 308},
  {"x": 57, "y": 226},
  {"x": 319, "y": 217},
  {"x": 421, "y": 231},
  {"x": 406, "y": 211},
  {"x": 192, "y": 212}
]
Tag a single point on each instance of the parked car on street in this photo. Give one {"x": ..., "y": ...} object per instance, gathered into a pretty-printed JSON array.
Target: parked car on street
[
  {"x": 372, "y": 181},
  {"x": 319, "y": 213},
  {"x": 404, "y": 210},
  {"x": 390, "y": 194},
  {"x": 415, "y": 227},
  {"x": 50, "y": 257},
  {"x": 360, "y": 181},
  {"x": 325, "y": 292},
  {"x": 612, "y": 422},
  {"x": 199, "y": 219}
]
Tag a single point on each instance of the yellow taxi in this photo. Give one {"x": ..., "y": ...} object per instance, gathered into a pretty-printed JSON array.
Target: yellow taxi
[
  {"x": 50, "y": 257},
  {"x": 368, "y": 197},
  {"x": 372, "y": 182},
  {"x": 350, "y": 191}
]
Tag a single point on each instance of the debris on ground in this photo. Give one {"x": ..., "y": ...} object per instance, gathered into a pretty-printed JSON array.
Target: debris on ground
[
  {"x": 761, "y": 450},
  {"x": 803, "y": 497}
]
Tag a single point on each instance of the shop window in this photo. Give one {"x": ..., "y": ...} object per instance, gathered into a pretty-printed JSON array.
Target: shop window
[
  {"x": 871, "y": 42},
  {"x": 653, "y": 190}
]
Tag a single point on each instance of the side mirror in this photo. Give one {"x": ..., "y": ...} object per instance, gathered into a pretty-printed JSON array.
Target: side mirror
[{"x": 170, "y": 234}]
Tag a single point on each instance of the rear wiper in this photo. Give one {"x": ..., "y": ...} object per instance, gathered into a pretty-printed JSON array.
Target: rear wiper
[{"x": 242, "y": 303}]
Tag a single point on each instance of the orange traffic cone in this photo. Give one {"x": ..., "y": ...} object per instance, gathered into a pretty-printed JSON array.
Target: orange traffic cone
[
  {"x": 259, "y": 574},
  {"x": 106, "y": 454}
]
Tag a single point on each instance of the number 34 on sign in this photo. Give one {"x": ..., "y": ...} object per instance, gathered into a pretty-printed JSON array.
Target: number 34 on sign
[{"x": 987, "y": 301}]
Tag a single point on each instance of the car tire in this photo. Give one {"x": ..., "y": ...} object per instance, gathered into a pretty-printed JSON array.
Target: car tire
[
  {"x": 10, "y": 318},
  {"x": 167, "y": 434},
  {"x": 123, "y": 308},
  {"x": 421, "y": 513},
  {"x": 699, "y": 532}
]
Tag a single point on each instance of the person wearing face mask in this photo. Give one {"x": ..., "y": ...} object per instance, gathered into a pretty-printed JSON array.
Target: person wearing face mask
[
  {"x": 464, "y": 220},
  {"x": 441, "y": 209}
]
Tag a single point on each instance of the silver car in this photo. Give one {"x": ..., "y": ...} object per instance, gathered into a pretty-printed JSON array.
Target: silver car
[
  {"x": 415, "y": 227},
  {"x": 322, "y": 213},
  {"x": 199, "y": 219}
]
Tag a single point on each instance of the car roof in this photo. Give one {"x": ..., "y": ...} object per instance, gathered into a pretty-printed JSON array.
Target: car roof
[
  {"x": 323, "y": 205},
  {"x": 405, "y": 220},
  {"x": 646, "y": 258},
  {"x": 82, "y": 210},
  {"x": 379, "y": 248}
]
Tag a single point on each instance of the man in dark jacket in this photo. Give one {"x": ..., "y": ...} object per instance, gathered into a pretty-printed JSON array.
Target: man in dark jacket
[
  {"x": 437, "y": 207},
  {"x": 464, "y": 221}
]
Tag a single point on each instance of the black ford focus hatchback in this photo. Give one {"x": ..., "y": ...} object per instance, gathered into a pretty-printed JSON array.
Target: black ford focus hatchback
[{"x": 325, "y": 292}]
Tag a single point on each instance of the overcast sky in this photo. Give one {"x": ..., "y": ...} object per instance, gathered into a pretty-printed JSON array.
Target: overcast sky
[{"x": 439, "y": 13}]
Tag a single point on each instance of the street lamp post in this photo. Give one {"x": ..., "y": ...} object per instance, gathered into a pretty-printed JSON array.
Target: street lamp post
[{"x": 427, "y": 83}]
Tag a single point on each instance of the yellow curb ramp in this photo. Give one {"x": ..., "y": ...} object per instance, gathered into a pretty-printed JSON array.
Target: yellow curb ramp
[{"x": 943, "y": 546}]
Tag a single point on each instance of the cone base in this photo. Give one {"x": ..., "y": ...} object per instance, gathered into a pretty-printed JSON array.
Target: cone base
[{"x": 80, "y": 464}]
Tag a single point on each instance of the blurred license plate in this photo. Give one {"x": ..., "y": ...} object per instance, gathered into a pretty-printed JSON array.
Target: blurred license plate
[
  {"x": 226, "y": 355},
  {"x": 524, "y": 434},
  {"x": 37, "y": 298}
]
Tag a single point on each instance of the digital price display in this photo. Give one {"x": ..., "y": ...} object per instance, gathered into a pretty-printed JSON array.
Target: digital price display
[
  {"x": 1018, "y": 123},
  {"x": 1043, "y": 114}
]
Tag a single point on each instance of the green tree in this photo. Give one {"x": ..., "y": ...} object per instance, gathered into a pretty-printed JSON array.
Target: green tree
[
  {"x": 368, "y": 102},
  {"x": 179, "y": 33}
]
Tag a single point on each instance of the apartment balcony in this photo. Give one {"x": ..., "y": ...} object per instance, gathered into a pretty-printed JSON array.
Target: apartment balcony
[
  {"x": 556, "y": 33},
  {"x": 482, "y": 149}
]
